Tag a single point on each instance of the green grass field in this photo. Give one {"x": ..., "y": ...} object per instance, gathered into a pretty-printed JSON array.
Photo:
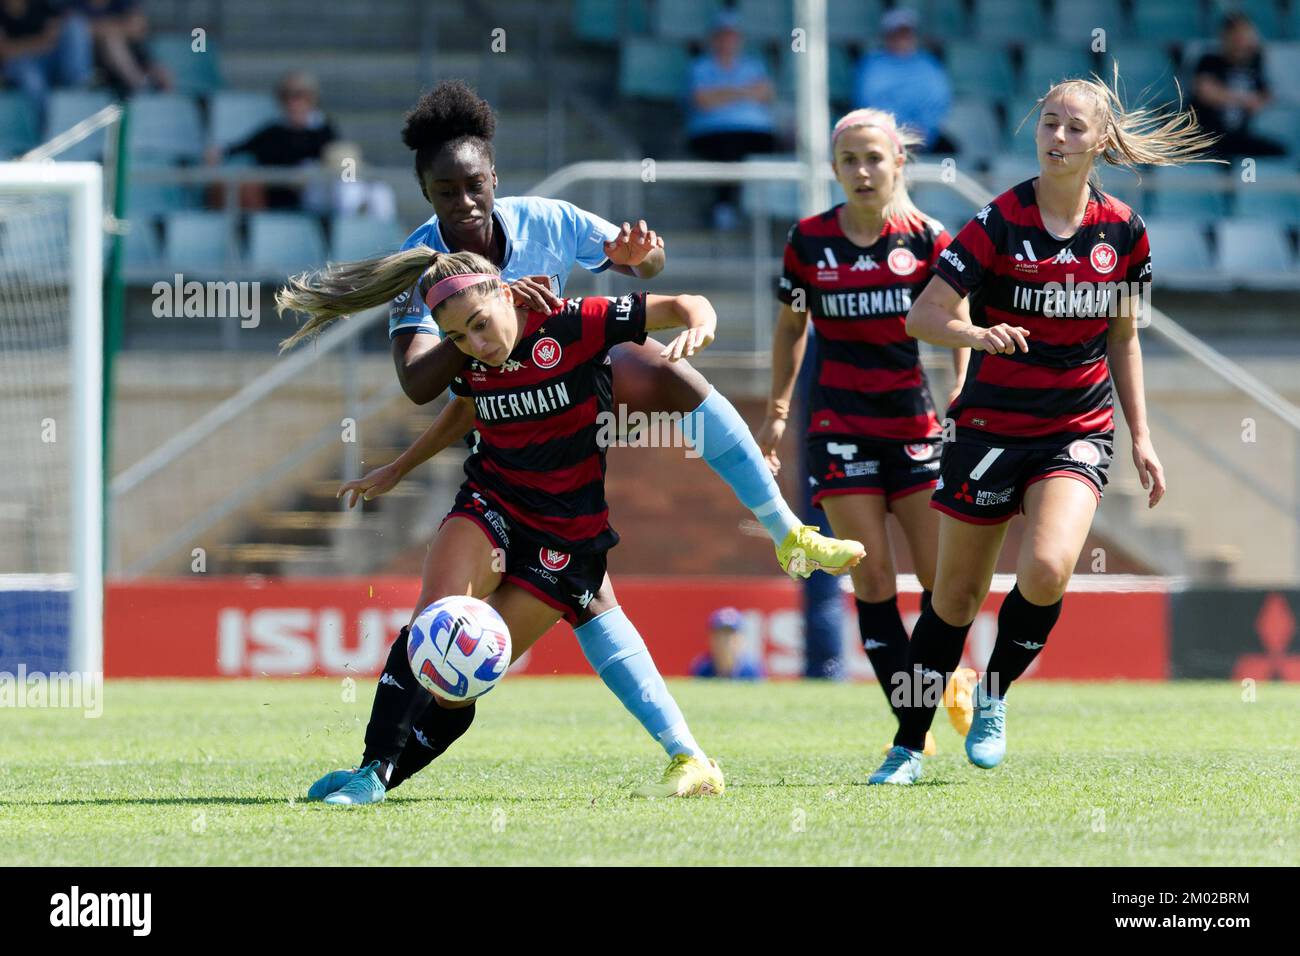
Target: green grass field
[{"x": 213, "y": 773}]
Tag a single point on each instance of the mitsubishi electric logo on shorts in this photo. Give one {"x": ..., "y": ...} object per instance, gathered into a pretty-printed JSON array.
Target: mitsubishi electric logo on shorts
[{"x": 75, "y": 909}]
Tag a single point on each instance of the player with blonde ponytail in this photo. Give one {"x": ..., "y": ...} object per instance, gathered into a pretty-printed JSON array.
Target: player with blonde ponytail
[{"x": 1056, "y": 272}]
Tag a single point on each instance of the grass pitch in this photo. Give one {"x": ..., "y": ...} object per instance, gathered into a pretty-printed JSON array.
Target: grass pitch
[{"x": 185, "y": 773}]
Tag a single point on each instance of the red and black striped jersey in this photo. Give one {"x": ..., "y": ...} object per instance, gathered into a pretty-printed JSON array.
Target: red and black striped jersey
[
  {"x": 538, "y": 418},
  {"x": 868, "y": 381},
  {"x": 1063, "y": 291}
]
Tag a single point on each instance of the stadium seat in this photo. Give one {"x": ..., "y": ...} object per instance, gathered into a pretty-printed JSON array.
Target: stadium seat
[
  {"x": 1167, "y": 22},
  {"x": 196, "y": 241},
  {"x": 767, "y": 20},
  {"x": 164, "y": 126},
  {"x": 1008, "y": 21},
  {"x": 1263, "y": 13},
  {"x": 853, "y": 21},
  {"x": 1006, "y": 171},
  {"x": 608, "y": 21},
  {"x": 1255, "y": 253},
  {"x": 841, "y": 72},
  {"x": 974, "y": 66},
  {"x": 1146, "y": 74},
  {"x": 1045, "y": 65},
  {"x": 1022, "y": 120},
  {"x": 1073, "y": 23},
  {"x": 152, "y": 198},
  {"x": 65, "y": 109},
  {"x": 19, "y": 123},
  {"x": 1181, "y": 253},
  {"x": 1282, "y": 69},
  {"x": 949, "y": 207},
  {"x": 236, "y": 115},
  {"x": 1124, "y": 186},
  {"x": 685, "y": 19},
  {"x": 942, "y": 19},
  {"x": 1171, "y": 198},
  {"x": 653, "y": 69},
  {"x": 1255, "y": 201},
  {"x": 361, "y": 237},
  {"x": 974, "y": 125},
  {"x": 1281, "y": 123},
  {"x": 195, "y": 73},
  {"x": 283, "y": 242}
]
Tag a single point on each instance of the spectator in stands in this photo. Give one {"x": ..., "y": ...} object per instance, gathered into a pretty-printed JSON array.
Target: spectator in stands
[
  {"x": 1229, "y": 89},
  {"x": 299, "y": 137},
  {"x": 43, "y": 47},
  {"x": 726, "y": 655},
  {"x": 730, "y": 113},
  {"x": 120, "y": 31},
  {"x": 907, "y": 81}
]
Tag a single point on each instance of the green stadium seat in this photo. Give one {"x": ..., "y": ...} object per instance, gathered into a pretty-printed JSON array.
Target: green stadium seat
[
  {"x": 1282, "y": 69},
  {"x": 198, "y": 74},
  {"x": 1180, "y": 249},
  {"x": 153, "y": 199},
  {"x": 973, "y": 124},
  {"x": 1073, "y": 23},
  {"x": 1124, "y": 186},
  {"x": 1146, "y": 73},
  {"x": 1253, "y": 252},
  {"x": 1009, "y": 170},
  {"x": 1263, "y": 13},
  {"x": 949, "y": 207},
  {"x": 164, "y": 126},
  {"x": 19, "y": 123},
  {"x": 1009, "y": 21},
  {"x": 974, "y": 66},
  {"x": 196, "y": 242},
  {"x": 609, "y": 21},
  {"x": 685, "y": 19},
  {"x": 1281, "y": 123},
  {"x": 653, "y": 69},
  {"x": 234, "y": 115},
  {"x": 1255, "y": 201},
  {"x": 280, "y": 243},
  {"x": 940, "y": 19},
  {"x": 768, "y": 20},
  {"x": 1045, "y": 65},
  {"x": 1187, "y": 203},
  {"x": 65, "y": 109},
  {"x": 1022, "y": 120},
  {"x": 853, "y": 21},
  {"x": 1168, "y": 21},
  {"x": 362, "y": 237}
]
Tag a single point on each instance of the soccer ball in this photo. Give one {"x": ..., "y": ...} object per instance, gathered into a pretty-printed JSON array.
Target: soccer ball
[{"x": 459, "y": 648}]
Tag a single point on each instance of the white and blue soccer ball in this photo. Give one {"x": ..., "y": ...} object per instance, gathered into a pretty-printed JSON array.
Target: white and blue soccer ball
[{"x": 459, "y": 648}]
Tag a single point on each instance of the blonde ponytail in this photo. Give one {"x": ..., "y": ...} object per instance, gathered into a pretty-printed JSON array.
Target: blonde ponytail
[{"x": 345, "y": 288}]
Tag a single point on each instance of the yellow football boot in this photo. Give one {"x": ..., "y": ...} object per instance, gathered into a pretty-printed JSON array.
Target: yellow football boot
[
  {"x": 687, "y": 776},
  {"x": 804, "y": 551}
]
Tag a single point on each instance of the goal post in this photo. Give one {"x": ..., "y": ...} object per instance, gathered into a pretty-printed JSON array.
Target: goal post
[{"x": 51, "y": 281}]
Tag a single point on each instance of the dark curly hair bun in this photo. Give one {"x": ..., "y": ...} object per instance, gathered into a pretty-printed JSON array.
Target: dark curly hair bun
[{"x": 450, "y": 112}]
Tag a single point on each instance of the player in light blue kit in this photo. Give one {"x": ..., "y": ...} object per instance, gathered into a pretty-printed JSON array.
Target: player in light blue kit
[{"x": 536, "y": 242}]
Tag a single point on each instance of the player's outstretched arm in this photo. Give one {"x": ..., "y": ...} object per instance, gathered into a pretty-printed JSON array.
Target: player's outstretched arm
[
  {"x": 937, "y": 317},
  {"x": 694, "y": 313},
  {"x": 788, "y": 347},
  {"x": 452, "y": 424},
  {"x": 1124, "y": 354}
]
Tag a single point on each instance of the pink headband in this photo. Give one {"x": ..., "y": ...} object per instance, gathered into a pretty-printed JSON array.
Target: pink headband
[
  {"x": 445, "y": 288},
  {"x": 856, "y": 118}
]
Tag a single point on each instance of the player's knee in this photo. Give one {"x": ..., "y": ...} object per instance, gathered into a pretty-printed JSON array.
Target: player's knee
[
  {"x": 1044, "y": 581},
  {"x": 958, "y": 604},
  {"x": 873, "y": 581}
]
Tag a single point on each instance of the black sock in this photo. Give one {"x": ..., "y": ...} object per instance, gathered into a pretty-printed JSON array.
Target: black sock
[
  {"x": 435, "y": 730},
  {"x": 885, "y": 640},
  {"x": 399, "y": 699},
  {"x": 1019, "y": 623},
  {"x": 926, "y": 598},
  {"x": 935, "y": 647}
]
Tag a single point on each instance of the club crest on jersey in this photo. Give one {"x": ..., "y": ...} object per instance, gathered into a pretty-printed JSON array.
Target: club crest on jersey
[
  {"x": 920, "y": 451},
  {"x": 546, "y": 353},
  {"x": 1084, "y": 452},
  {"x": 1103, "y": 257},
  {"x": 902, "y": 262},
  {"x": 553, "y": 560}
]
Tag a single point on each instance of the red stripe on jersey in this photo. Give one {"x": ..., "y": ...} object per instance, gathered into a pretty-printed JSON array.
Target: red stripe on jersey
[
  {"x": 977, "y": 242},
  {"x": 1049, "y": 331},
  {"x": 1020, "y": 425},
  {"x": 996, "y": 370},
  {"x": 522, "y": 434},
  {"x": 557, "y": 482},
  {"x": 850, "y": 377},
  {"x": 566, "y": 527},
  {"x": 912, "y": 428},
  {"x": 889, "y": 330}
]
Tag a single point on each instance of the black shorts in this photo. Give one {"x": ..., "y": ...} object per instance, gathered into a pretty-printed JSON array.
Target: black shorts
[
  {"x": 840, "y": 465},
  {"x": 567, "y": 582},
  {"x": 985, "y": 484}
]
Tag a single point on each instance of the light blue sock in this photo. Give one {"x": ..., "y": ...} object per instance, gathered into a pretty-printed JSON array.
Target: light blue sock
[
  {"x": 620, "y": 658},
  {"x": 722, "y": 438}
]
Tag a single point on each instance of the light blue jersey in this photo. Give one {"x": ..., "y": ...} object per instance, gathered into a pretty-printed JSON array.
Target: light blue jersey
[{"x": 543, "y": 237}]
